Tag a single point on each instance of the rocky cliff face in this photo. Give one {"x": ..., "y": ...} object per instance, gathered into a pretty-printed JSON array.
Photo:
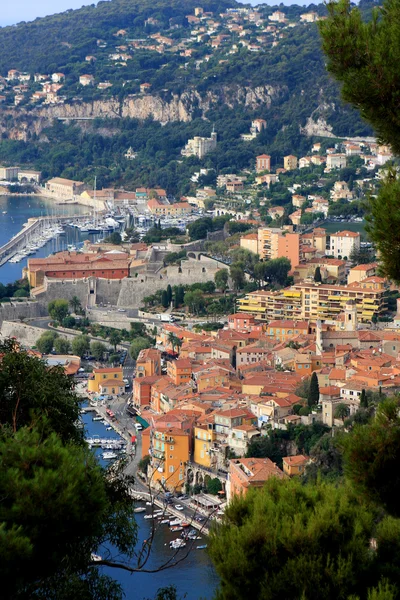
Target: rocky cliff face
[{"x": 20, "y": 123}]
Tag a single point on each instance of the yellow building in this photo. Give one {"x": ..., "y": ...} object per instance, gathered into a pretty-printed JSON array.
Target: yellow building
[
  {"x": 316, "y": 239},
  {"x": 250, "y": 242},
  {"x": 290, "y": 162},
  {"x": 313, "y": 301},
  {"x": 332, "y": 269},
  {"x": 169, "y": 451},
  {"x": 148, "y": 362},
  {"x": 204, "y": 439},
  {"x": 108, "y": 377},
  {"x": 295, "y": 465},
  {"x": 360, "y": 272}
]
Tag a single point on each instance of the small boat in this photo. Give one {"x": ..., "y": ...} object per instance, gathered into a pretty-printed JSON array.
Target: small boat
[
  {"x": 97, "y": 418},
  {"x": 164, "y": 521},
  {"x": 139, "y": 509},
  {"x": 202, "y": 547},
  {"x": 176, "y": 544},
  {"x": 175, "y": 522},
  {"x": 95, "y": 557},
  {"x": 185, "y": 524},
  {"x": 4, "y": 212},
  {"x": 148, "y": 516},
  {"x": 108, "y": 428},
  {"x": 176, "y": 528},
  {"x": 149, "y": 503},
  {"x": 109, "y": 455}
]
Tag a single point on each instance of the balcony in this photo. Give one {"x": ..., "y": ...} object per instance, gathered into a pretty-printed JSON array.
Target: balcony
[{"x": 159, "y": 454}]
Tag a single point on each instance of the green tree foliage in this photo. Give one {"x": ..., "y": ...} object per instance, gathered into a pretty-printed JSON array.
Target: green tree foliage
[
  {"x": 46, "y": 342},
  {"x": 370, "y": 454},
  {"x": 58, "y": 309},
  {"x": 313, "y": 393},
  {"x": 144, "y": 463},
  {"x": 317, "y": 275},
  {"x": 194, "y": 300},
  {"x": 164, "y": 299},
  {"x": 115, "y": 338},
  {"x": 363, "y": 399},
  {"x": 236, "y": 272},
  {"x": 80, "y": 345},
  {"x": 36, "y": 388},
  {"x": 341, "y": 411},
  {"x": 138, "y": 344},
  {"x": 97, "y": 349},
  {"x": 113, "y": 238},
  {"x": 214, "y": 486},
  {"x": 169, "y": 294},
  {"x": 75, "y": 304},
  {"x": 198, "y": 229},
  {"x": 175, "y": 257},
  {"x": 363, "y": 56},
  {"x": 56, "y": 501},
  {"x": 62, "y": 345},
  {"x": 298, "y": 541},
  {"x": 221, "y": 279}
]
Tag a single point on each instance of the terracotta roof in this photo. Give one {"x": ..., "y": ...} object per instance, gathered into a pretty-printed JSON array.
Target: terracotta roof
[
  {"x": 345, "y": 233},
  {"x": 261, "y": 469},
  {"x": 330, "y": 390},
  {"x": 366, "y": 267},
  {"x": 297, "y": 460},
  {"x": 108, "y": 370},
  {"x": 108, "y": 382}
]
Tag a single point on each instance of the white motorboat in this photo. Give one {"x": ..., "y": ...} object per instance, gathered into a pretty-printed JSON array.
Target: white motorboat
[
  {"x": 178, "y": 543},
  {"x": 139, "y": 509},
  {"x": 109, "y": 455}
]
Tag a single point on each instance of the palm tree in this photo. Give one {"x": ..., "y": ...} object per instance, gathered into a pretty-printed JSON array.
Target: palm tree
[
  {"x": 172, "y": 338},
  {"x": 75, "y": 304},
  {"x": 178, "y": 342},
  {"x": 342, "y": 411},
  {"x": 114, "y": 339}
]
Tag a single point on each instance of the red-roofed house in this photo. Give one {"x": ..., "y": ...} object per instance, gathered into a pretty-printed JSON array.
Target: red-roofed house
[{"x": 246, "y": 473}]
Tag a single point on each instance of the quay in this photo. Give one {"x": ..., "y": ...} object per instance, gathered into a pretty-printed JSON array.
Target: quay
[
  {"x": 141, "y": 495},
  {"x": 18, "y": 242}
]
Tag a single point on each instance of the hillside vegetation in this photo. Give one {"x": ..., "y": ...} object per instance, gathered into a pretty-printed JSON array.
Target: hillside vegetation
[{"x": 267, "y": 70}]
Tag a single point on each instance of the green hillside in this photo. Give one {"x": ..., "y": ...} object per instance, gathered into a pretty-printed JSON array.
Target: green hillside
[{"x": 224, "y": 59}]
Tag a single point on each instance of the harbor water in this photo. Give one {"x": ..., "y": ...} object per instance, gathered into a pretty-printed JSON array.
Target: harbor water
[
  {"x": 194, "y": 578},
  {"x": 16, "y": 210}
]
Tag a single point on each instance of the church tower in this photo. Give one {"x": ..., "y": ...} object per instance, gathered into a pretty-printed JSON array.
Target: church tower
[{"x": 350, "y": 316}]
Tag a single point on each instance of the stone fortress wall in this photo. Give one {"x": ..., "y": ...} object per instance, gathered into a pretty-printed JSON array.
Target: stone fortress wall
[
  {"x": 17, "y": 311},
  {"x": 129, "y": 292}
]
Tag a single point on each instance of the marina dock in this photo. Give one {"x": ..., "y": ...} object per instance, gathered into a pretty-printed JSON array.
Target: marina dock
[{"x": 31, "y": 230}]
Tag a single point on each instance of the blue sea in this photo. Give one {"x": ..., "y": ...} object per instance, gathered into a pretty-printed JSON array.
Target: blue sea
[
  {"x": 195, "y": 578},
  {"x": 16, "y": 210}
]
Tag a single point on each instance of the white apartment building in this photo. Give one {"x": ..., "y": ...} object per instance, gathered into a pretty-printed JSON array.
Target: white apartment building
[
  {"x": 336, "y": 161},
  {"x": 342, "y": 243}
]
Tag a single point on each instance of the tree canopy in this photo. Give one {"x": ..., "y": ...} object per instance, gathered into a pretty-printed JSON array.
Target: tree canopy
[
  {"x": 57, "y": 504},
  {"x": 364, "y": 56}
]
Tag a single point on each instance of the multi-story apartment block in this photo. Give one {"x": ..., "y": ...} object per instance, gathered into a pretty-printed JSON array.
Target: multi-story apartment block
[
  {"x": 148, "y": 363},
  {"x": 314, "y": 301},
  {"x": 275, "y": 243},
  {"x": 169, "y": 449},
  {"x": 336, "y": 161},
  {"x": 290, "y": 162},
  {"x": 8, "y": 173},
  {"x": 343, "y": 243},
  {"x": 263, "y": 163}
]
